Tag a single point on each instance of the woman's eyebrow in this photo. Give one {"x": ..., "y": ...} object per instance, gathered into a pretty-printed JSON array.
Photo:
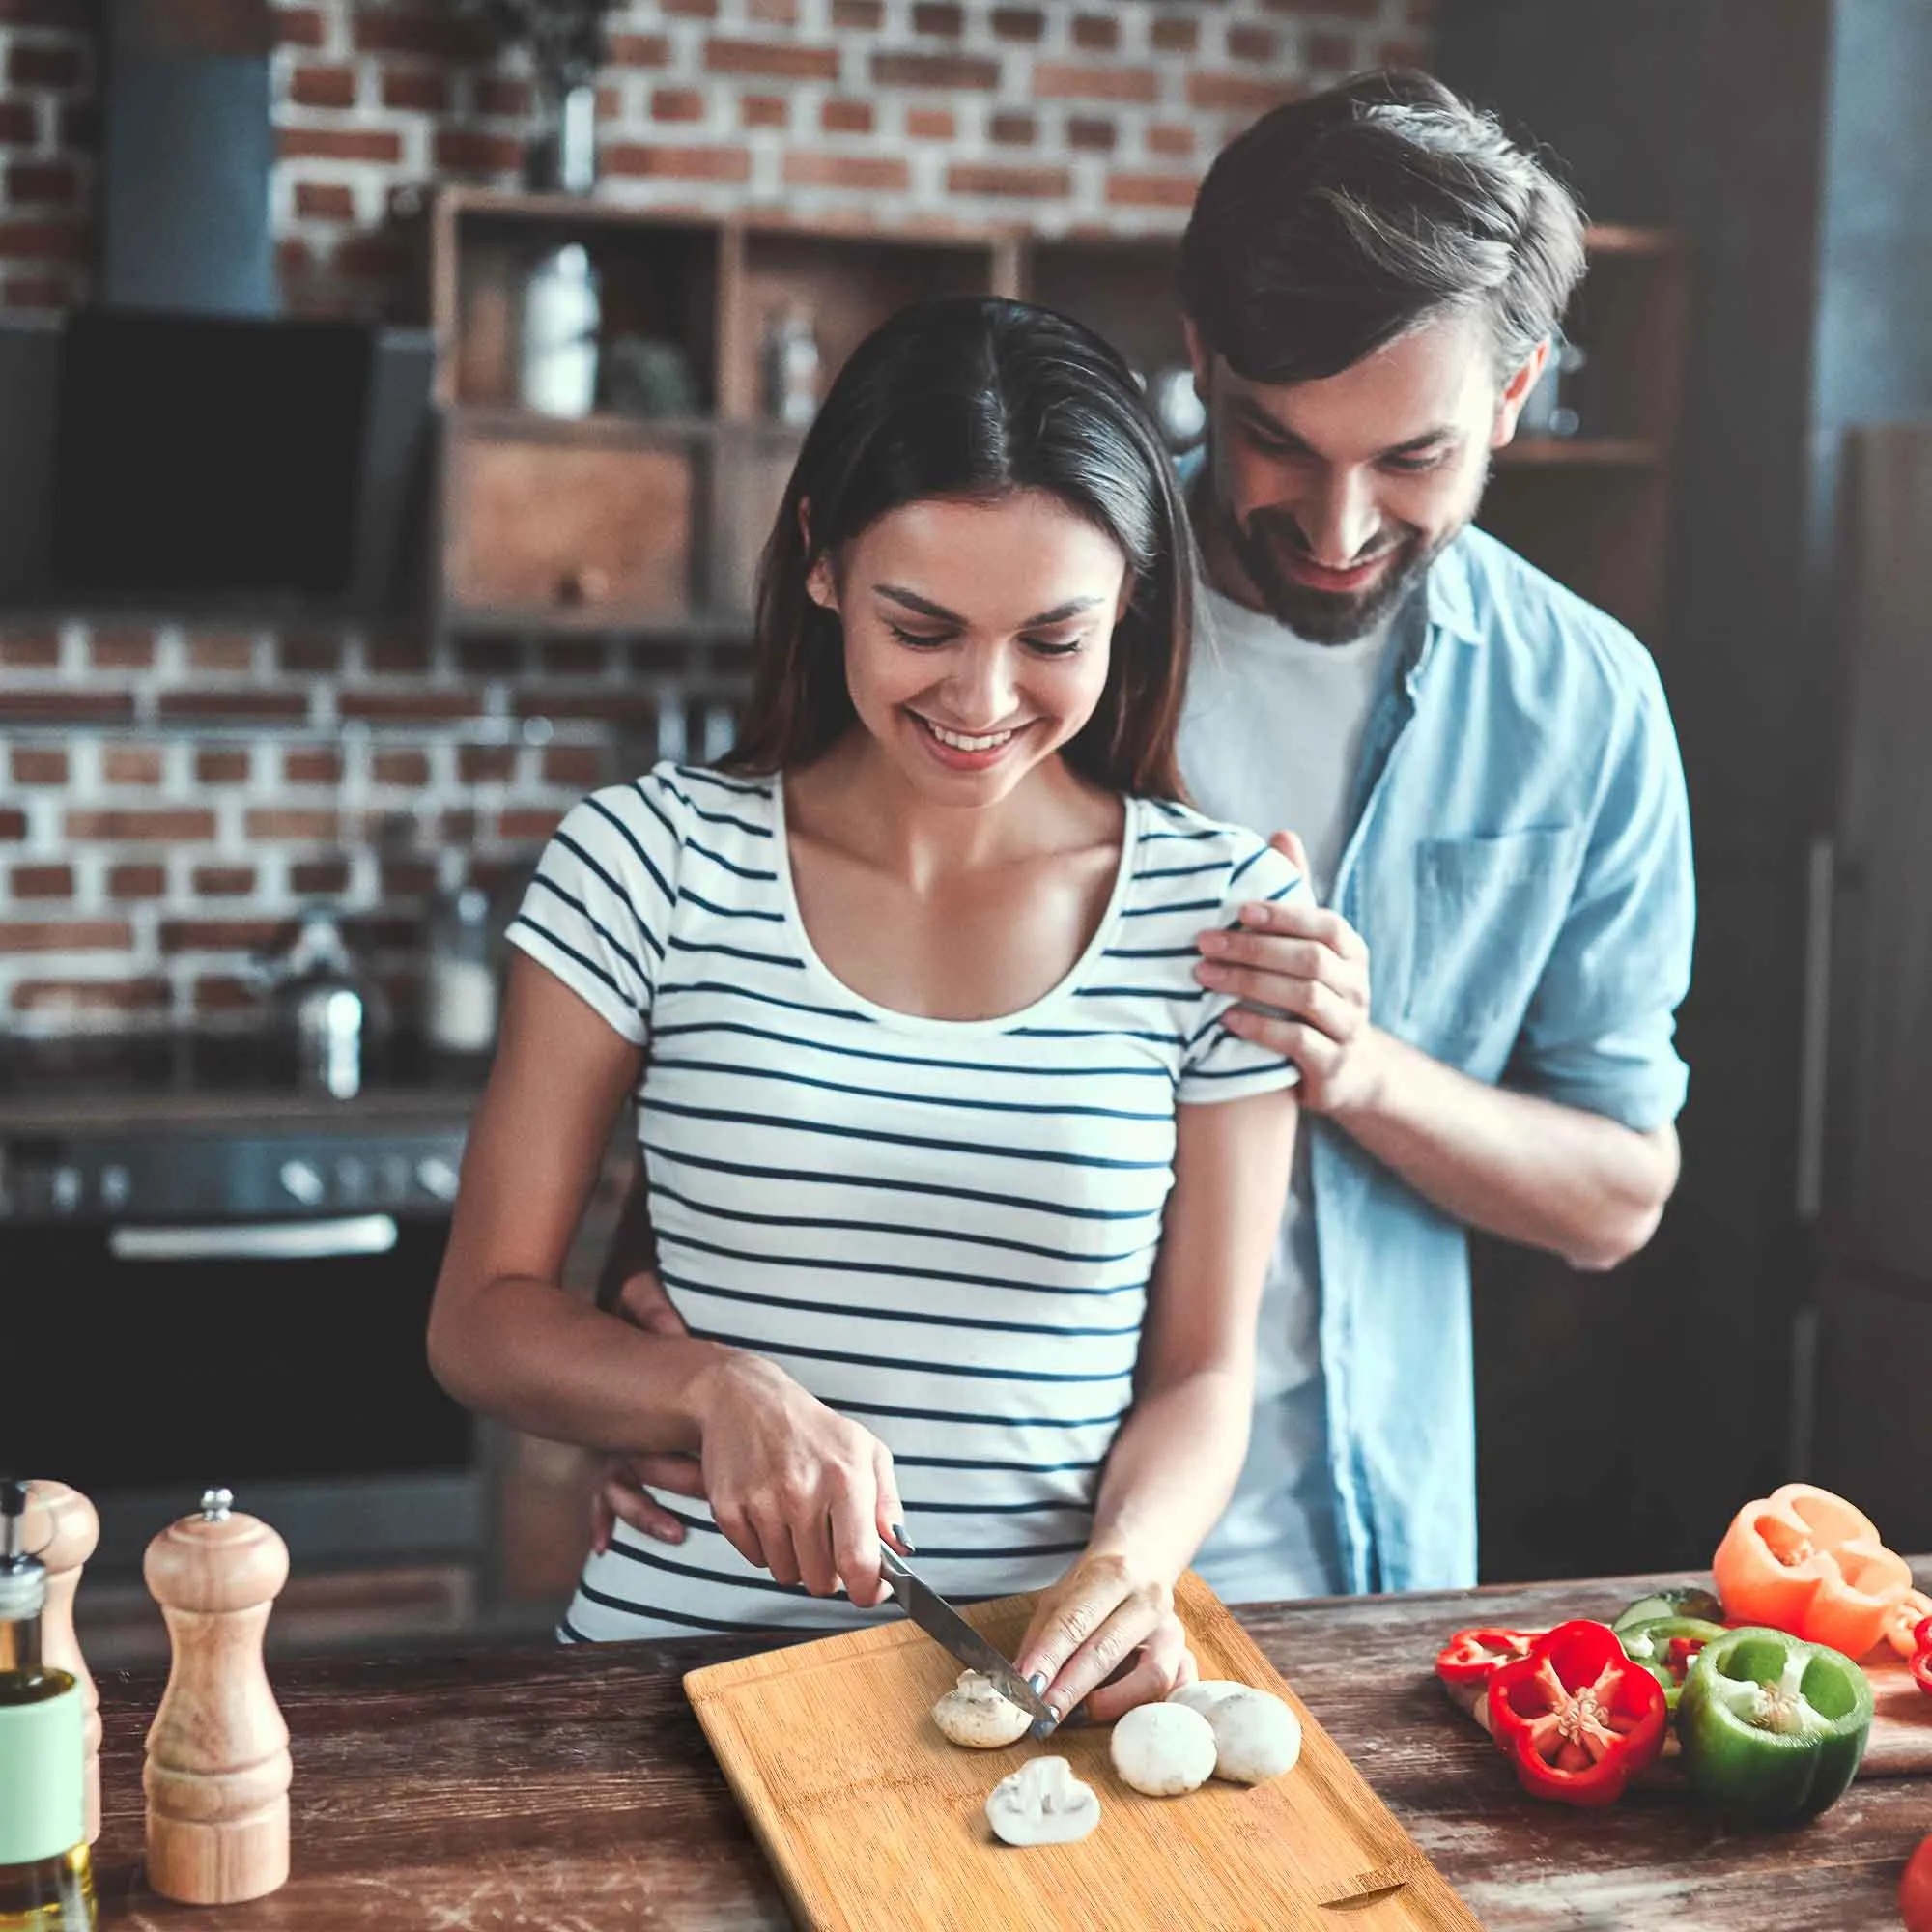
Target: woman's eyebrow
[{"x": 913, "y": 601}]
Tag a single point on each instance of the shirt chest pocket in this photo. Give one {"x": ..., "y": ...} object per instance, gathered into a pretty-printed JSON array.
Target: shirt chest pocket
[{"x": 1488, "y": 910}]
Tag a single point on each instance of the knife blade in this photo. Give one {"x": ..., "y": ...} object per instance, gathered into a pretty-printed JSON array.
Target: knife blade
[{"x": 941, "y": 1622}]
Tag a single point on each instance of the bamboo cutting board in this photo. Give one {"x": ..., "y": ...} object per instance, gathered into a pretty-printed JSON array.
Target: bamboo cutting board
[{"x": 871, "y": 1817}]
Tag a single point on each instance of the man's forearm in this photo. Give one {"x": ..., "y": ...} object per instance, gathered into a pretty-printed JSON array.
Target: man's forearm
[{"x": 1530, "y": 1169}]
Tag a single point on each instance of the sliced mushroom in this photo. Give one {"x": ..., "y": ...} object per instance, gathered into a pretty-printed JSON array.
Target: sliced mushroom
[
  {"x": 1256, "y": 1737},
  {"x": 1204, "y": 1693},
  {"x": 974, "y": 1712},
  {"x": 1042, "y": 1804},
  {"x": 1163, "y": 1749}
]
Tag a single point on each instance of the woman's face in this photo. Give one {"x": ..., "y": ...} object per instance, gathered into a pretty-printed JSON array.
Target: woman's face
[{"x": 977, "y": 636}]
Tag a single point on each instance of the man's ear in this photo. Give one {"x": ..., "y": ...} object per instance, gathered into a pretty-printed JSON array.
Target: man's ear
[
  {"x": 1200, "y": 358},
  {"x": 1515, "y": 393}
]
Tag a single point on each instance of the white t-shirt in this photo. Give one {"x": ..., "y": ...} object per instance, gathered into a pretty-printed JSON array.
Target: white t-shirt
[
  {"x": 1272, "y": 738},
  {"x": 943, "y": 1229}
]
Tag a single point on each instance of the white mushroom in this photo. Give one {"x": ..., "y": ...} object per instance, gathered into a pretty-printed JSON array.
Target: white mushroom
[
  {"x": 1163, "y": 1749},
  {"x": 1204, "y": 1693},
  {"x": 1256, "y": 1737},
  {"x": 974, "y": 1712},
  {"x": 1042, "y": 1804}
]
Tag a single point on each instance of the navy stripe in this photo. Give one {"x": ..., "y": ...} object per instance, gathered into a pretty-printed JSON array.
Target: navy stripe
[
  {"x": 1180, "y": 905},
  {"x": 740, "y": 789},
  {"x": 1207, "y": 831},
  {"x": 1009, "y": 1468},
  {"x": 822, "y": 1223},
  {"x": 629, "y": 839},
  {"x": 743, "y": 1072},
  {"x": 874, "y": 1138},
  {"x": 871, "y": 1311},
  {"x": 1182, "y": 871},
  {"x": 655, "y": 809},
  {"x": 765, "y": 1000},
  {"x": 613, "y": 885},
  {"x": 607, "y": 1601},
  {"x": 685, "y": 893},
  {"x": 678, "y": 945},
  {"x": 1248, "y": 863},
  {"x": 1235, "y": 1072},
  {"x": 744, "y": 825},
  {"x": 770, "y": 1584},
  {"x": 922, "y": 1188},
  {"x": 602, "y": 930},
  {"x": 583, "y": 959},
  {"x": 730, "y": 865},
  {"x": 763, "y": 1344},
  {"x": 998, "y": 1508},
  {"x": 1154, "y": 995},
  {"x": 925, "y": 1551},
  {"x": 966, "y": 1419},
  {"x": 1275, "y": 898},
  {"x": 1097, "y": 1033},
  {"x": 1151, "y": 952},
  {"x": 927, "y": 1065}
]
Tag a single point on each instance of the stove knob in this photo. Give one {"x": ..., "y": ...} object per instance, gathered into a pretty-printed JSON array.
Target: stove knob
[
  {"x": 64, "y": 1189},
  {"x": 299, "y": 1180},
  {"x": 352, "y": 1176},
  {"x": 436, "y": 1178},
  {"x": 114, "y": 1188}
]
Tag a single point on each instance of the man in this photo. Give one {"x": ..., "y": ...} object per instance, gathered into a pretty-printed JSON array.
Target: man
[{"x": 1489, "y": 799}]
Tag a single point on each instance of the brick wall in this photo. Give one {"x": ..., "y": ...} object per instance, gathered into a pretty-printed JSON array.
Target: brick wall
[{"x": 169, "y": 793}]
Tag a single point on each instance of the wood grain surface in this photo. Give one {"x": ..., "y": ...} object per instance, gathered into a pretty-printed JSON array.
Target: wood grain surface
[
  {"x": 572, "y": 1790},
  {"x": 855, "y": 1797}
]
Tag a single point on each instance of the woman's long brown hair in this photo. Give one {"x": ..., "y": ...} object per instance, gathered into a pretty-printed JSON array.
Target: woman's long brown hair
[{"x": 973, "y": 398}]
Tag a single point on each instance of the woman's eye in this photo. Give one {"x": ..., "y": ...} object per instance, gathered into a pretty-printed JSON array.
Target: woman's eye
[
  {"x": 1053, "y": 648},
  {"x": 920, "y": 640}
]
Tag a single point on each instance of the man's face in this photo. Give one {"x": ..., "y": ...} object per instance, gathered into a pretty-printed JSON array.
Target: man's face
[{"x": 1330, "y": 497}]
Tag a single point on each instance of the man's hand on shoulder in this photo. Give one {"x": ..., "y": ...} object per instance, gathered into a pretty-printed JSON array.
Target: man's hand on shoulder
[{"x": 1302, "y": 974}]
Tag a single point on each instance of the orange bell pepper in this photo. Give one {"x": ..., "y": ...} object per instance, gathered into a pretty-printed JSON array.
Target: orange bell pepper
[
  {"x": 1902, "y": 1621},
  {"x": 1806, "y": 1561}
]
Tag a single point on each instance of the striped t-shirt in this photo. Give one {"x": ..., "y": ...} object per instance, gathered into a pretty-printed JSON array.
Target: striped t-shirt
[{"x": 943, "y": 1229}]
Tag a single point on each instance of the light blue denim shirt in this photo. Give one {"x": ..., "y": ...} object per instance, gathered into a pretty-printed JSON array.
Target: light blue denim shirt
[{"x": 1519, "y": 865}]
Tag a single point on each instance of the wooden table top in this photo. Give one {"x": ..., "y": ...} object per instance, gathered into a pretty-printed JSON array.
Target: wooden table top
[{"x": 571, "y": 1790}]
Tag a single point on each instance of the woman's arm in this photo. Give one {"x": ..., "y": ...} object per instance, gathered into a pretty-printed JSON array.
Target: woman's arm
[{"x": 1176, "y": 1458}]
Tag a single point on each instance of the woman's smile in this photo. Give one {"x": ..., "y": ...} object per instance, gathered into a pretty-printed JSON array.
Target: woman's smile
[{"x": 966, "y": 750}]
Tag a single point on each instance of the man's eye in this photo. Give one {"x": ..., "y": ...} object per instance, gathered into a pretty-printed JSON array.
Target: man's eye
[
  {"x": 920, "y": 640},
  {"x": 1414, "y": 466}
]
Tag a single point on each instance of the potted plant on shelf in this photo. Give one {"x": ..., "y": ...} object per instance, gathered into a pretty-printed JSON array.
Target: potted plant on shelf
[{"x": 567, "y": 46}]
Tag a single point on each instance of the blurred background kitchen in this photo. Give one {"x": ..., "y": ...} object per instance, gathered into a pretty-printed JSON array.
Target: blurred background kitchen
[{"x": 393, "y": 398}]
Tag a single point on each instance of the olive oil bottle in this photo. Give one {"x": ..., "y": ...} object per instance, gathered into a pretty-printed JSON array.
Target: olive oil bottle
[{"x": 46, "y": 1879}]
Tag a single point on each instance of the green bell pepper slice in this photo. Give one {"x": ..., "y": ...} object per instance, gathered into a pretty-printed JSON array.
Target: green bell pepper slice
[
  {"x": 1656, "y": 1646},
  {"x": 1772, "y": 1728},
  {"x": 1683, "y": 1600}
]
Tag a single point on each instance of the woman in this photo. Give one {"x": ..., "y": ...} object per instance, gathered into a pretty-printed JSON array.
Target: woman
[{"x": 960, "y": 1188}]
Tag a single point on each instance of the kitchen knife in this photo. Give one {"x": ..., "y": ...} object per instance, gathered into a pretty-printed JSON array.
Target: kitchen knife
[{"x": 939, "y": 1621}]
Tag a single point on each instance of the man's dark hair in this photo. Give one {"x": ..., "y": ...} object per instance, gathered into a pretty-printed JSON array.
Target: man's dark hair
[{"x": 1336, "y": 224}]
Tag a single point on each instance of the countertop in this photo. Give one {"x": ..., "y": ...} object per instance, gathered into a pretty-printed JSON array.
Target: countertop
[{"x": 571, "y": 1790}]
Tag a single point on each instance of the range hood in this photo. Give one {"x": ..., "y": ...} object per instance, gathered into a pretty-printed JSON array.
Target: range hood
[{"x": 179, "y": 445}]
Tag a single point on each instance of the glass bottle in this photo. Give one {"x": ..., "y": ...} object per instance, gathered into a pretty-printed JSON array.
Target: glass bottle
[
  {"x": 460, "y": 996},
  {"x": 47, "y": 1878}
]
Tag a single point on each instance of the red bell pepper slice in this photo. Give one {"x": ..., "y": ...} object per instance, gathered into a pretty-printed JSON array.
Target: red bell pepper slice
[
  {"x": 1471, "y": 1655},
  {"x": 1922, "y": 1657},
  {"x": 1577, "y": 1716}
]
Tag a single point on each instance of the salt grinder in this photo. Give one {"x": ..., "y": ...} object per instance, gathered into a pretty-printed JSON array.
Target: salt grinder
[
  {"x": 62, "y": 1529},
  {"x": 217, "y": 1773}
]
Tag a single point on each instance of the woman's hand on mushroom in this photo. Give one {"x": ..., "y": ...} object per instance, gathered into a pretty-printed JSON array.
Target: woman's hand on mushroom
[
  {"x": 1106, "y": 1637},
  {"x": 793, "y": 1486}
]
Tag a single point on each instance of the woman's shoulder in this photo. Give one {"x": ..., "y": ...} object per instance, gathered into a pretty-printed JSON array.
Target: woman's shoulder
[{"x": 1177, "y": 843}]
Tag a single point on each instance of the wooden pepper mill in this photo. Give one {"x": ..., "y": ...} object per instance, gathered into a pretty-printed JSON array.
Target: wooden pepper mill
[
  {"x": 217, "y": 1771},
  {"x": 62, "y": 1529}
]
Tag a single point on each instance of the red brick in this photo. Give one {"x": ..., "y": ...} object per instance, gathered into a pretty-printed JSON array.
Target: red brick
[
  {"x": 846, "y": 117},
  {"x": 136, "y": 882},
  {"x": 20, "y": 124},
  {"x": 864, "y": 17},
  {"x": 1354, "y": 10},
  {"x": 1335, "y": 51},
  {"x": 876, "y": 173},
  {"x": 96, "y": 705},
  {"x": 140, "y": 766},
  {"x": 1013, "y": 131},
  {"x": 576, "y": 656},
  {"x": 983, "y": 177},
  {"x": 226, "y": 766},
  {"x": 772, "y": 59},
  {"x": 310, "y": 654},
  {"x": 598, "y": 703},
  {"x": 398, "y": 652},
  {"x": 631, "y": 160},
  {"x": 677, "y": 104},
  {"x": 291, "y": 826},
  {"x": 472, "y": 152},
  {"x": 325, "y": 200},
  {"x": 947, "y": 71},
  {"x": 1140, "y": 191},
  {"x": 373, "y": 258},
  {"x": 52, "y": 184},
  {"x": 108, "y": 996},
  {"x": 42, "y": 882},
  {"x": 409, "y": 705},
  {"x": 323, "y": 87},
  {"x": 241, "y": 704},
  {"x": 689, "y": 10},
  {"x": 486, "y": 764},
  {"x": 441, "y": 34},
  {"x": 68, "y": 935},
  {"x": 180, "y": 825},
  {"x": 298, "y": 27},
  {"x": 573, "y": 765},
  {"x": 42, "y": 241},
  {"x": 1018, "y": 23},
  {"x": 339, "y": 144},
  {"x": 400, "y": 768},
  {"x": 30, "y": 650},
  {"x": 938, "y": 17},
  {"x": 775, "y": 12},
  {"x": 1061, "y": 80},
  {"x": 1175, "y": 34},
  {"x": 25, "y": 292},
  {"x": 30, "y": 64},
  {"x": 221, "y": 650},
  {"x": 931, "y": 124},
  {"x": 415, "y": 90},
  {"x": 764, "y": 110},
  {"x": 222, "y": 882},
  {"x": 633, "y": 51},
  {"x": 318, "y": 765},
  {"x": 1168, "y": 137},
  {"x": 1087, "y": 134},
  {"x": 407, "y": 878},
  {"x": 218, "y": 935},
  {"x": 528, "y": 825},
  {"x": 220, "y": 994},
  {"x": 494, "y": 95},
  {"x": 1096, "y": 33},
  {"x": 489, "y": 657},
  {"x": 1237, "y": 93},
  {"x": 12, "y": 824},
  {"x": 319, "y": 875},
  {"x": 34, "y": 765},
  {"x": 1402, "y": 53},
  {"x": 121, "y": 650},
  {"x": 457, "y": 828},
  {"x": 1249, "y": 41}
]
